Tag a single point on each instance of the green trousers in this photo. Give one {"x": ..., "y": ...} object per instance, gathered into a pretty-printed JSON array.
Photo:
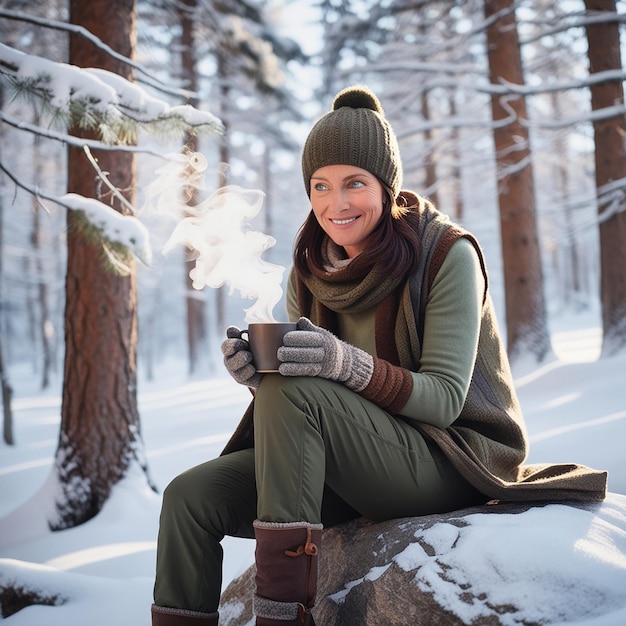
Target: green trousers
[{"x": 322, "y": 455}]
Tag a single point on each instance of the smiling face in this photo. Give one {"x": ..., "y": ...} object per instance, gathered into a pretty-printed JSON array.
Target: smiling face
[{"x": 348, "y": 204}]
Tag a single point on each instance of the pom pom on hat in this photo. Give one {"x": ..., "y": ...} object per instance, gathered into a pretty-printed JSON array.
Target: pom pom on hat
[
  {"x": 355, "y": 132},
  {"x": 358, "y": 98}
]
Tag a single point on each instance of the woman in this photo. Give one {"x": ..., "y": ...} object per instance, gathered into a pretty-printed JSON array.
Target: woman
[{"x": 394, "y": 398}]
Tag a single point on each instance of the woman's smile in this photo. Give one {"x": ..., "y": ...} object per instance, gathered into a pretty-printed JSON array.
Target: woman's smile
[{"x": 344, "y": 221}]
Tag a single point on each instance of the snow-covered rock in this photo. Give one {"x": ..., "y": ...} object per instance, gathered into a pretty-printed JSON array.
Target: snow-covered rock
[{"x": 506, "y": 564}]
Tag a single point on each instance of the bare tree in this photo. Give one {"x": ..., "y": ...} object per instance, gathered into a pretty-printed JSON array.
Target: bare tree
[
  {"x": 100, "y": 431},
  {"x": 455, "y": 184},
  {"x": 7, "y": 416},
  {"x": 526, "y": 318},
  {"x": 45, "y": 324},
  {"x": 571, "y": 274},
  {"x": 610, "y": 160},
  {"x": 196, "y": 306}
]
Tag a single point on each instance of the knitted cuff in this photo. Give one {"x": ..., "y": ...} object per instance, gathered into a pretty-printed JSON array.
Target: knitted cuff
[
  {"x": 360, "y": 367},
  {"x": 390, "y": 386},
  {"x": 166, "y": 615},
  {"x": 257, "y": 523},
  {"x": 273, "y": 610}
]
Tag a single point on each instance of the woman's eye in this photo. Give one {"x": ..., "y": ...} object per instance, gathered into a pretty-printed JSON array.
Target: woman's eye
[
  {"x": 357, "y": 183},
  {"x": 320, "y": 187}
]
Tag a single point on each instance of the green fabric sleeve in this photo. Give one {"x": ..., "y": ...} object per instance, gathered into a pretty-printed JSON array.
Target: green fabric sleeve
[
  {"x": 291, "y": 299},
  {"x": 451, "y": 331}
]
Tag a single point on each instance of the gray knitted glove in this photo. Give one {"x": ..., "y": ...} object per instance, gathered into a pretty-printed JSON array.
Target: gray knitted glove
[
  {"x": 313, "y": 351},
  {"x": 238, "y": 359}
]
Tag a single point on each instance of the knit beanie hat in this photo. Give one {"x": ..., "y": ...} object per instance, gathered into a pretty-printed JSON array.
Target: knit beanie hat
[{"x": 355, "y": 132}]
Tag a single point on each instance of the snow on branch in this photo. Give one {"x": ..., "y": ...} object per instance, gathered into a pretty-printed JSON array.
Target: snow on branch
[
  {"x": 595, "y": 78},
  {"x": 70, "y": 140},
  {"x": 98, "y": 98},
  {"x": 611, "y": 199},
  {"x": 473, "y": 77},
  {"x": 83, "y": 32},
  {"x": 125, "y": 230},
  {"x": 574, "y": 20},
  {"x": 118, "y": 233}
]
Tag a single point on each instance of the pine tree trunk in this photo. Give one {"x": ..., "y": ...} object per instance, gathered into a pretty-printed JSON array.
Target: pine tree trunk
[
  {"x": 7, "y": 393},
  {"x": 610, "y": 159},
  {"x": 526, "y": 317},
  {"x": 100, "y": 432}
]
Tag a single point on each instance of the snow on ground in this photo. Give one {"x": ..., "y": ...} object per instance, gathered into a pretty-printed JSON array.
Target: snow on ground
[{"x": 103, "y": 570}]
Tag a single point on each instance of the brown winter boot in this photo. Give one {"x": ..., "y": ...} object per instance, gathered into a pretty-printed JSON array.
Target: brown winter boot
[
  {"x": 164, "y": 616},
  {"x": 286, "y": 572}
]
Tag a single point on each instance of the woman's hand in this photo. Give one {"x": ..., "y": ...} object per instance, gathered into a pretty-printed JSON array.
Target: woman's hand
[
  {"x": 313, "y": 351},
  {"x": 238, "y": 359}
]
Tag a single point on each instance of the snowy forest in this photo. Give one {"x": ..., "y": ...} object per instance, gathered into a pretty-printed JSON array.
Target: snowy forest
[{"x": 125, "y": 123}]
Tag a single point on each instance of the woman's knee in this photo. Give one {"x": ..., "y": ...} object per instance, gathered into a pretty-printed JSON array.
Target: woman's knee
[
  {"x": 283, "y": 405},
  {"x": 225, "y": 482},
  {"x": 180, "y": 491},
  {"x": 289, "y": 400},
  {"x": 274, "y": 384},
  {"x": 277, "y": 393}
]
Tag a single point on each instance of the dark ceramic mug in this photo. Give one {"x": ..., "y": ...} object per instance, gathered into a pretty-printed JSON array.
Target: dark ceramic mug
[{"x": 265, "y": 338}]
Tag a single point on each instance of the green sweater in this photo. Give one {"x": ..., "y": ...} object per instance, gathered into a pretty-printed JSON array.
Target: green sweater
[{"x": 450, "y": 337}]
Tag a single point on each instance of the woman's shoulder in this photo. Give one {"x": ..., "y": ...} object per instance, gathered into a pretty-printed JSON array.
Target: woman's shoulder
[
  {"x": 463, "y": 250},
  {"x": 463, "y": 266}
]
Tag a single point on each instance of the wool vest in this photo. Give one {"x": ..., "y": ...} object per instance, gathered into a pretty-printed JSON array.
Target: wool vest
[{"x": 487, "y": 443}]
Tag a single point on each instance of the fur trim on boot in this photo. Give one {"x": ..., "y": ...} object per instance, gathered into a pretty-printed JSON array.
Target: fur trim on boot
[{"x": 164, "y": 616}]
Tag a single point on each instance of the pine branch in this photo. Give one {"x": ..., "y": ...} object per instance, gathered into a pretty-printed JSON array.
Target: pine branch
[
  {"x": 71, "y": 140},
  {"x": 97, "y": 99},
  {"x": 115, "y": 257},
  {"x": 120, "y": 236},
  {"x": 83, "y": 32}
]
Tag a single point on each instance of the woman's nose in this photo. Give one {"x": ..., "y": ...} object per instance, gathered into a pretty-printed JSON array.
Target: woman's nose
[{"x": 340, "y": 201}]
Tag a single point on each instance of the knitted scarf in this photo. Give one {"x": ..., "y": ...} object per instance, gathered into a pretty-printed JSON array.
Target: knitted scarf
[{"x": 353, "y": 288}]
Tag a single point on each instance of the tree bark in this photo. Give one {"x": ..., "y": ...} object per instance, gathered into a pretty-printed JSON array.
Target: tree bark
[
  {"x": 7, "y": 394},
  {"x": 610, "y": 162},
  {"x": 100, "y": 430},
  {"x": 526, "y": 317}
]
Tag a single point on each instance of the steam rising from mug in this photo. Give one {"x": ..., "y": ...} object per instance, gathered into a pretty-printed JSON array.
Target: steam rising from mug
[{"x": 225, "y": 248}]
